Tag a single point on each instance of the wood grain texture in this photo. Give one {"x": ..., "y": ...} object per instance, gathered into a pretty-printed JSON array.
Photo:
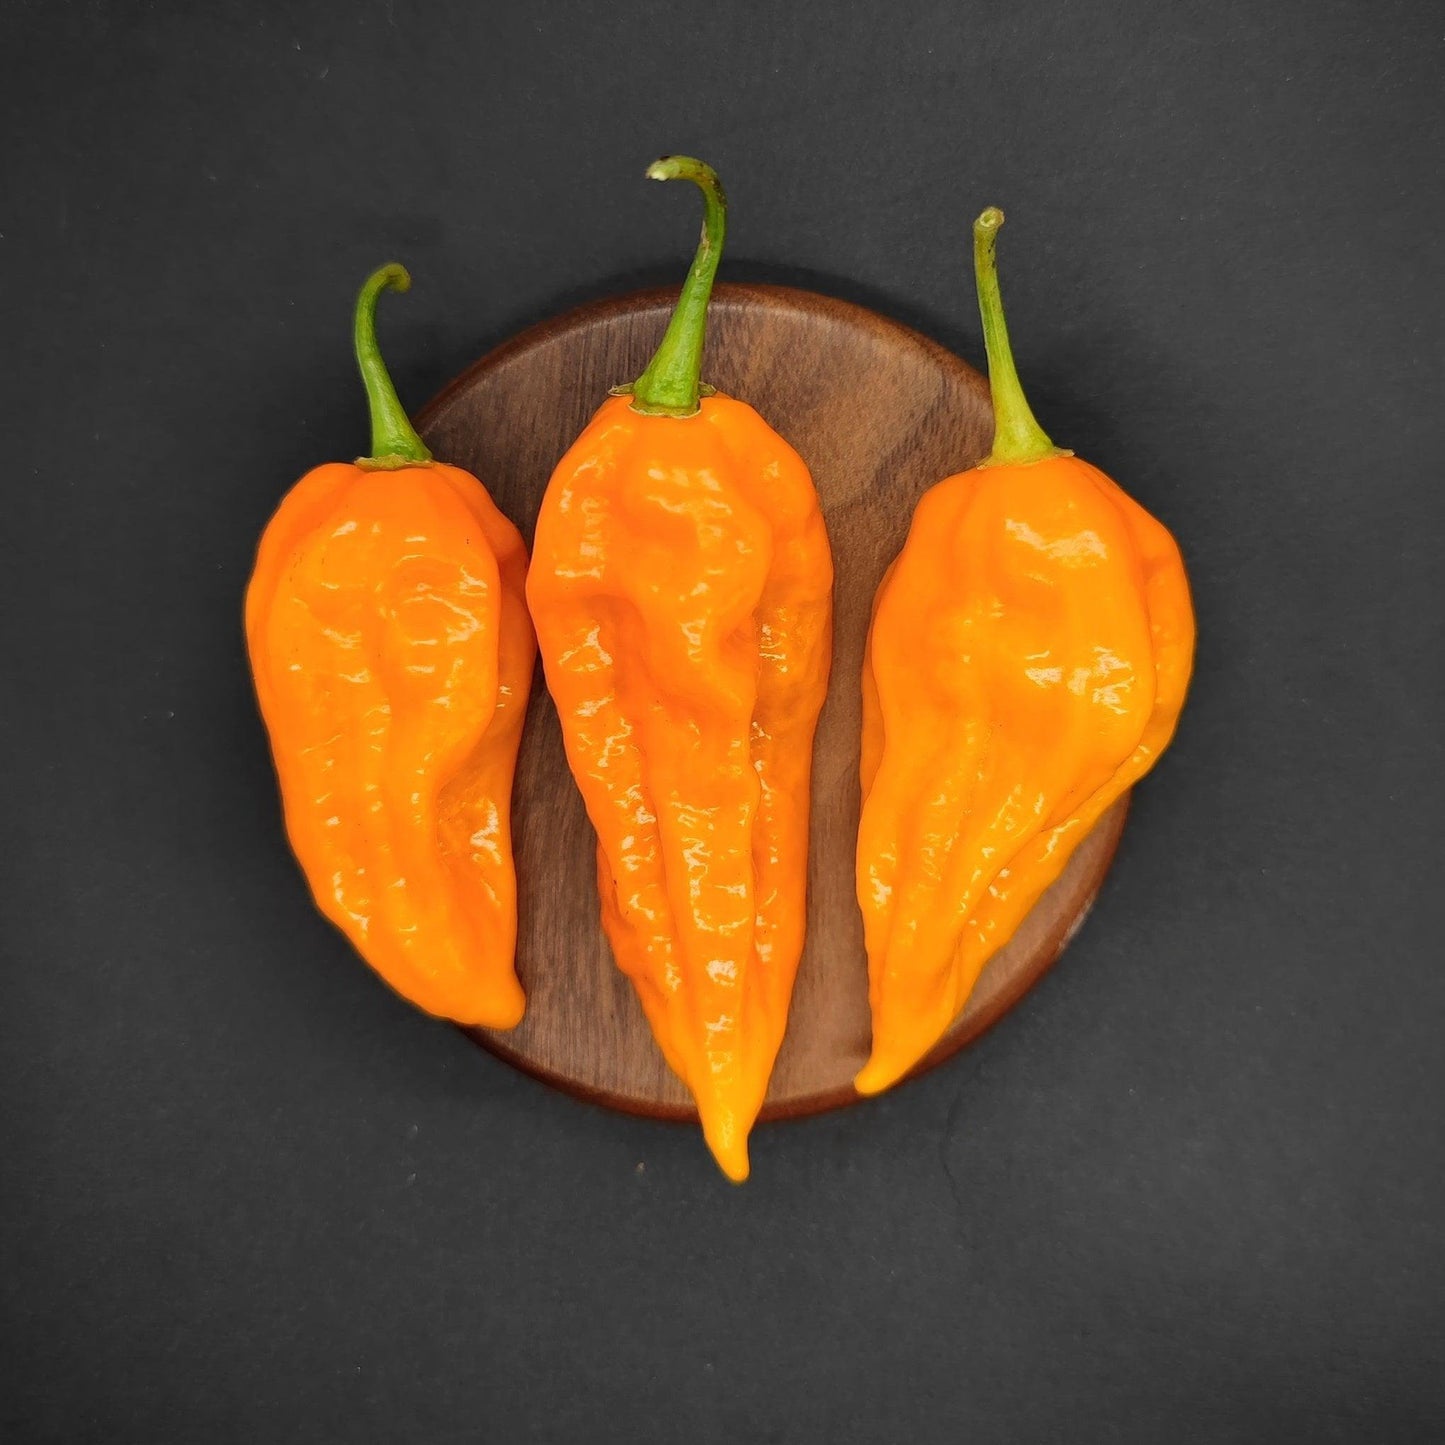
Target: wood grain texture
[{"x": 879, "y": 413}]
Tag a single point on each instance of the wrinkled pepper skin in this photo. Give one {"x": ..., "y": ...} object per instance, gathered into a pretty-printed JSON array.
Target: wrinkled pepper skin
[
  {"x": 1027, "y": 662},
  {"x": 392, "y": 655},
  {"x": 681, "y": 588}
]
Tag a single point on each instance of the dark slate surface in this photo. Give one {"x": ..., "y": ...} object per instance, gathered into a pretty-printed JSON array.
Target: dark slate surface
[{"x": 1189, "y": 1192}]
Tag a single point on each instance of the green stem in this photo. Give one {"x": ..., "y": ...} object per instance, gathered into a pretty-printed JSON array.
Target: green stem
[
  {"x": 394, "y": 442},
  {"x": 672, "y": 382},
  {"x": 1017, "y": 436}
]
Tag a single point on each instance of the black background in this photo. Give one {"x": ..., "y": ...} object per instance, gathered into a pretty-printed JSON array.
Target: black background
[{"x": 1191, "y": 1190}]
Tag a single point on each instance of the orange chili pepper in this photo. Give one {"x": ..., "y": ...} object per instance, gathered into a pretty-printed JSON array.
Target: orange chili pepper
[
  {"x": 681, "y": 586},
  {"x": 1027, "y": 662},
  {"x": 392, "y": 656}
]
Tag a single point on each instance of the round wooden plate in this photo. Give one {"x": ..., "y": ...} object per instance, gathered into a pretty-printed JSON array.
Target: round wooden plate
[{"x": 879, "y": 413}]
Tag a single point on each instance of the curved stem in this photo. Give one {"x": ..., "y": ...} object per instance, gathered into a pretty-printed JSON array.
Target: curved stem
[
  {"x": 672, "y": 382},
  {"x": 394, "y": 442},
  {"x": 1017, "y": 436}
]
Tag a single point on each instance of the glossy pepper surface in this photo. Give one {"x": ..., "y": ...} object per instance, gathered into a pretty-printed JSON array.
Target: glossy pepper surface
[
  {"x": 681, "y": 587},
  {"x": 1027, "y": 662},
  {"x": 392, "y": 654}
]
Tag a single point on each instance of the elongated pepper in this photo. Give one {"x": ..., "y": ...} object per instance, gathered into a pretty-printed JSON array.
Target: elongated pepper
[
  {"x": 392, "y": 654},
  {"x": 1026, "y": 664},
  {"x": 681, "y": 587}
]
